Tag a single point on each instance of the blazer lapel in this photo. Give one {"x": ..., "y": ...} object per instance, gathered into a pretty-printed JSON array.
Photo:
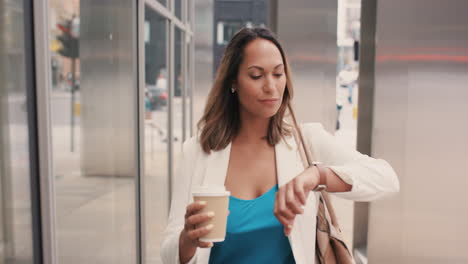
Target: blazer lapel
[
  {"x": 289, "y": 165},
  {"x": 288, "y": 161},
  {"x": 216, "y": 167}
]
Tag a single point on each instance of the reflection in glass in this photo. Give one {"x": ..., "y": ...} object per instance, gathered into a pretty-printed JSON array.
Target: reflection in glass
[
  {"x": 92, "y": 101},
  {"x": 156, "y": 133},
  {"x": 15, "y": 199}
]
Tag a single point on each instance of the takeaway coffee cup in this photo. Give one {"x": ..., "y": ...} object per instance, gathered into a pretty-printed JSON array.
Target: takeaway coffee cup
[{"x": 217, "y": 201}]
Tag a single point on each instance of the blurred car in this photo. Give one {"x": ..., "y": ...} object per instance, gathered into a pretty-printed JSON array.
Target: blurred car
[{"x": 157, "y": 97}]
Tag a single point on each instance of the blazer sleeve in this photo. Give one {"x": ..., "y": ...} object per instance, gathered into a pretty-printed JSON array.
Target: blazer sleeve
[
  {"x": 370, "y": 178},
  {"x": 180, "y": 199}
]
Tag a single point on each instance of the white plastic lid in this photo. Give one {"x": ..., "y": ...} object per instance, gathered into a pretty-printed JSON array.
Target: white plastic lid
[{"x": 210, "y": 190}]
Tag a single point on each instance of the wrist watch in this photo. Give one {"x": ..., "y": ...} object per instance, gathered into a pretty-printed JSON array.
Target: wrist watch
[{"x": 322, "y": 177}]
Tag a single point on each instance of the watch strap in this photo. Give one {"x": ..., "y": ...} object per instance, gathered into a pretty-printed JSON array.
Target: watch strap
[{"x": 322, "y": 177}]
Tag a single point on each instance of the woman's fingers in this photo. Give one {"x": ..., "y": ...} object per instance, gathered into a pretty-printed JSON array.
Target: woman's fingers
[
  {"x": 299, "y": 190},
  {"x": 205, "y": 244},
  {"x": 199, "y": 218},
  {"x": 194, "y": 219},
  {"x": 283, "y": 210},
  {"x": 195, "y": 234},
  {"x": 191, "y": 209},
  {"x": 194, "y": 207},
  {"x": 282, "y": 213},
  {"x": 283, "y": 220},
  {"x": 291, "y": 201}
]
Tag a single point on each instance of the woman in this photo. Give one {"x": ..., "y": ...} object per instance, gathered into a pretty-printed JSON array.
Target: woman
[{"x": 245, "y": 144}]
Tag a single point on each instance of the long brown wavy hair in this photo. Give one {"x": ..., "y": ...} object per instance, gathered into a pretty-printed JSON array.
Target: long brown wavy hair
[{"x": 220, "y": 122}]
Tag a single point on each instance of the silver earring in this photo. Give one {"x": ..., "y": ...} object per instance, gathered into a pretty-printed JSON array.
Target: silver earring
[{"x": 233, "y": 90}]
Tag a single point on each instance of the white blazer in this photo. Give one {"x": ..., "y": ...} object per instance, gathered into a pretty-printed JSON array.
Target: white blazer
[{"x": 371, "y": 179}]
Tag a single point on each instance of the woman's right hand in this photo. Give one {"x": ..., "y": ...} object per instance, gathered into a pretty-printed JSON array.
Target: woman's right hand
[{"x": 189, "y": 237}]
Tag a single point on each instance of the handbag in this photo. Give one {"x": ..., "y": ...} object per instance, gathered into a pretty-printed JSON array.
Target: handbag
[{"x": 330, "y": 247}]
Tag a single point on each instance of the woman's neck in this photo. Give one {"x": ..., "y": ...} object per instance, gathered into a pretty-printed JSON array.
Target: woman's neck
[{"x": 252, "y": 129}]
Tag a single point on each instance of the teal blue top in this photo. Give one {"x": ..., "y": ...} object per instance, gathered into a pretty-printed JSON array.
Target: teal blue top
[{"x": 253, "y": 234}]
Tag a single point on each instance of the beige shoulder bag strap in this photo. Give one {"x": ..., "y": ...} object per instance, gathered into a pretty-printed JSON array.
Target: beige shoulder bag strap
[{"x": 330, "y": 245}]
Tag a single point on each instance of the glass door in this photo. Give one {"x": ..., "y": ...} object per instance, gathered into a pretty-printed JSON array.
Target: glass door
[
  {"x": 156, "y": 136},
  {"x": 93, "y": 113},
  {"x": 16, "y": 230}
]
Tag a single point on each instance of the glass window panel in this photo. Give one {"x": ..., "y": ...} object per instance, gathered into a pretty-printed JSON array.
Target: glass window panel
[
  {"x": 156, "y": 172},
  {"x": 15, "y": 196},
  {"x": 164, "y": 2},
  {"x": 189, "y": 12},
  {"x": 188, "y": 92},
  {"x": 93, "y": 111},
  {"x": 178, "y": 8},
  {"x": 178, "y": 100},
  {"x": 226, "y": 30}
]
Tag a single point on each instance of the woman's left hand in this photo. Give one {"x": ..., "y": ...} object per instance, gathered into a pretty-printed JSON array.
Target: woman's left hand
[{"x": 292, "y": 197}]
